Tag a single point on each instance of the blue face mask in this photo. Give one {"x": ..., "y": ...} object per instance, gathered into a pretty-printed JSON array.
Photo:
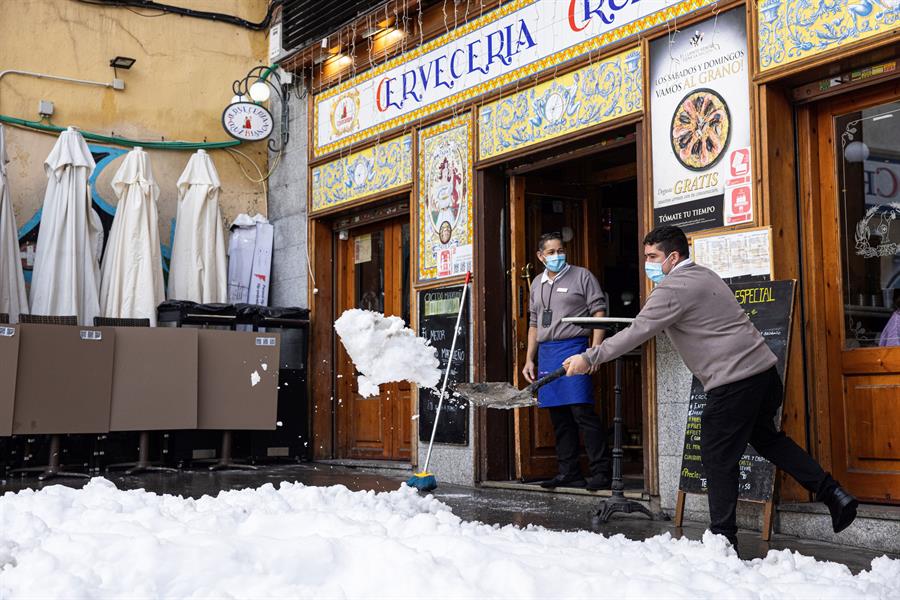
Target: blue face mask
[
  {"x": 556, "y": 263},
  {"x": 654, "y": 270}
]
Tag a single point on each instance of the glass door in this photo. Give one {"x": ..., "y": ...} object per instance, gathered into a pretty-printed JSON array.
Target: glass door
[{"x": 860, "y": 167}]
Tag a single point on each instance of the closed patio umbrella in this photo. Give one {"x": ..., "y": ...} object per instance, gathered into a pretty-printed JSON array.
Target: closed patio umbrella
[
  {"x": 197, "y": 271},
  {"x": 132, "y": 283},
  {"x": 66, "y": 276},
  {"x": 13, "y": 299}
]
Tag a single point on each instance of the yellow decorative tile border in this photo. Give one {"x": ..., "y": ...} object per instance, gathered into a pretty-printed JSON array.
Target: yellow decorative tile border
[
  {"x": 659, "y": 17},
  {"x": 445, "y": 173},
  {"x": 595, "y": 94},
  {"x": 371, "y": 171},
  {"x": 791, "y": 30}
]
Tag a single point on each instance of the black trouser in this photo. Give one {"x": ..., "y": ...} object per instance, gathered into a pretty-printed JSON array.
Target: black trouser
[
  {"x": 567, "y": 420},
  {"x": 737, "y": 414}
]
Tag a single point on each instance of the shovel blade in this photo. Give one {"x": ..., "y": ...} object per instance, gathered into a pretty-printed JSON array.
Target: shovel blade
[{"x": 494, "y": 395}]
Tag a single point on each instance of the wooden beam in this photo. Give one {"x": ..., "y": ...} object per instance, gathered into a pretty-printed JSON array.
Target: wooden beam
[
  {"x": 572, "y": 155},
  {"x": 321, "y": 356},
  {"x": 780, "y": 211}
]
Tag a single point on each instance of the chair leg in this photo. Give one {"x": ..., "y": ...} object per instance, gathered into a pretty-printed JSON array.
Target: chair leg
[
  {"x": 143, "y": 463},
  {"x": 52, "y": 468},
  {"x": 225, "y": 461}
]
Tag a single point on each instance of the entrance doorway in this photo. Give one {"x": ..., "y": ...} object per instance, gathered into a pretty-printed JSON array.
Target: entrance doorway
[
  {"x": 592, "y": 200},
  {"x": 859, "y": 169},
  {"x": 373, "y": 273}
]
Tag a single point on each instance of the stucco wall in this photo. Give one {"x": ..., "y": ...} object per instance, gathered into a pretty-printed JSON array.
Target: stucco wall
[{"x": 176, "y": 90}]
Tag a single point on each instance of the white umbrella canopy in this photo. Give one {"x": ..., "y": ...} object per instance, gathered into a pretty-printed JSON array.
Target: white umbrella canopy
[
  {"x": 197, "y": 271},
  {"x": 13, "y": 299},
  {"x": 132, "y": 282},
  {"x": 66, "y": 276}
]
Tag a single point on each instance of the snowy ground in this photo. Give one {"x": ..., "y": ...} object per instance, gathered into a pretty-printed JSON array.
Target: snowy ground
[{"x": 316, "y": 542}]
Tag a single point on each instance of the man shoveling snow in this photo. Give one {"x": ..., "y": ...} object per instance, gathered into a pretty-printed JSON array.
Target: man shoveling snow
[{"x": 384, "y": 350}]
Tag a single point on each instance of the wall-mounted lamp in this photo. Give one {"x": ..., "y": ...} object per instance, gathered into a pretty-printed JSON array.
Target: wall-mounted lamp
[
  {"x": 121, "y": 62},
  {"x": 856, "y": 152},
  {"x": 381, "y": 28},
  {"x": 257, "y": 87}
]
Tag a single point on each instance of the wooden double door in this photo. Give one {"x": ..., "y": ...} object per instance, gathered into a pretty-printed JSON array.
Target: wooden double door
[
  {"x": 853, "y": 258},
  {"x": 373, "y": 273}
]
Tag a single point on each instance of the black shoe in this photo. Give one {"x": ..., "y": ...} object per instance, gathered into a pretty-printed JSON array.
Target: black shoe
[
  {"x": 732, "y": 539},
  {"x": 734, "y": 544},
  {"x": 563, "y": 481},
  {"x": 842, "y": 507},
  {"x": 599, "y": 482}
]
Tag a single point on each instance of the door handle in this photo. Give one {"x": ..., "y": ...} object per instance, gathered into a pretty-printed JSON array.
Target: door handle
[{"x": 527, "y": 271}]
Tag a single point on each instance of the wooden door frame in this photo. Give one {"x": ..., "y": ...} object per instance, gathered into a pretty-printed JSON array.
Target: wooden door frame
[
  {"x": 519, "y": 257},
  {"x": 490, "y": 312},
  {"x": 323, "y": 302},
  {"x": 824, "y": 344},
  {"x": 519, "y": 306},
  {"x": 322, "y": 373}
]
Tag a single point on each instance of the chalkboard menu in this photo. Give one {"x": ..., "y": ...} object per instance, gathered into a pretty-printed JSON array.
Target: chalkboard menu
[
  {"x": 438, "y": 310},
  {"x": 769, "y": 304}
]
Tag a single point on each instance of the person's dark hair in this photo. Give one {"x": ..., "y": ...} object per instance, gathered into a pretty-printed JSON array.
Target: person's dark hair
[
  {"x": 553, "y": 235},
  {"x": 669, "y": 239},
  {"x": 896, "y": 298}
]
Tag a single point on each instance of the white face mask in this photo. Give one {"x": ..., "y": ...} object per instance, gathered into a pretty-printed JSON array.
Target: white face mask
[
  {"x": 654, "y": 270},
  {"x": 555, "y": 263}
]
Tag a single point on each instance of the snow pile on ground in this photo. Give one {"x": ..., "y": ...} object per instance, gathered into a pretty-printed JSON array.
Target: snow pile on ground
[
  {"x": 385, "y": 350},
  {"x": 297, "y": 541}
]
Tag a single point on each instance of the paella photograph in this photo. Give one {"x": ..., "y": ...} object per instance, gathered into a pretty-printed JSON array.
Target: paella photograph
[{"x": 701, "y": 128}]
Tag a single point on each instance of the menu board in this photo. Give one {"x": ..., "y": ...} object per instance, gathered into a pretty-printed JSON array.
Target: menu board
[
  {"x": 438, "y": 311},
  {"x": 736, "y": 256},
  {"x": 769, "y": 305}
]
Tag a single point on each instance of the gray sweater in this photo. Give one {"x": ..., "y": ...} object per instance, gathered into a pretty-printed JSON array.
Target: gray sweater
[{"x": 707, "y": 326}]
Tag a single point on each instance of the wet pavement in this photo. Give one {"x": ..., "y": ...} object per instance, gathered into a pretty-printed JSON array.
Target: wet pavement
[{"x": 563, "y": 512}]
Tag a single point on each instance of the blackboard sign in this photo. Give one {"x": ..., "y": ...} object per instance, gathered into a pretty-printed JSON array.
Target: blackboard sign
[
  {"x": 769, "y": 305},
  {"x": 438, "y": 310}
]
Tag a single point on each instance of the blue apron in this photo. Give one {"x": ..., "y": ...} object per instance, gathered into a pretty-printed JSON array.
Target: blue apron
[{"x": 577, "y": 389}]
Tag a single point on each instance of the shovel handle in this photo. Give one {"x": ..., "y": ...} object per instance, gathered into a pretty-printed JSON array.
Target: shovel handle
[{"x": 548, "y": 378}]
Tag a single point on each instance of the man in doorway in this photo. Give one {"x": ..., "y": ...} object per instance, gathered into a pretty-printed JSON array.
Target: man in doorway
[
  {"x": 724, "y": 350},
  {"x": 564, "y": 290}
]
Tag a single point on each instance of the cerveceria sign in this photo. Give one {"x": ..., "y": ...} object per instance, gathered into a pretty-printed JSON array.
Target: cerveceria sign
[
  {"x": 247, "y": 121},
  {"x": 514, "y": 41}
]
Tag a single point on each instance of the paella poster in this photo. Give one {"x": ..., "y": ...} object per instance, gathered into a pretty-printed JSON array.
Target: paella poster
[
  {"x": 700, "y": 119},
  {"x": 445, "y": 207}
]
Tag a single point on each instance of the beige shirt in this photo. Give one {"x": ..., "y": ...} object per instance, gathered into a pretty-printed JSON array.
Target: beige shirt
[
  {"x": 699, "y": 313},
  {"x": 574, "y": 292}
]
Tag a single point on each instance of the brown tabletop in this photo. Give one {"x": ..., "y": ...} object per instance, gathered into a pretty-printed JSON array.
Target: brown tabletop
[
  {"x": 9, "y": 359},
  {"x": 154, "y": 379},
  {"x": 238, "y": 385},
  {"x": 64, "y": 379}
]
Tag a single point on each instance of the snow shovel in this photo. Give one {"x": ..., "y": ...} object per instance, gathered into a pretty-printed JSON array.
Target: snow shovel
[{"x": 505, "y": 395}]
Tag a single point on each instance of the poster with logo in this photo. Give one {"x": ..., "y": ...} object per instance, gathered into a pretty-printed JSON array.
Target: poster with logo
[
  {"x": 445, "y": 206},
  {"x": 700, "y": 121}
]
